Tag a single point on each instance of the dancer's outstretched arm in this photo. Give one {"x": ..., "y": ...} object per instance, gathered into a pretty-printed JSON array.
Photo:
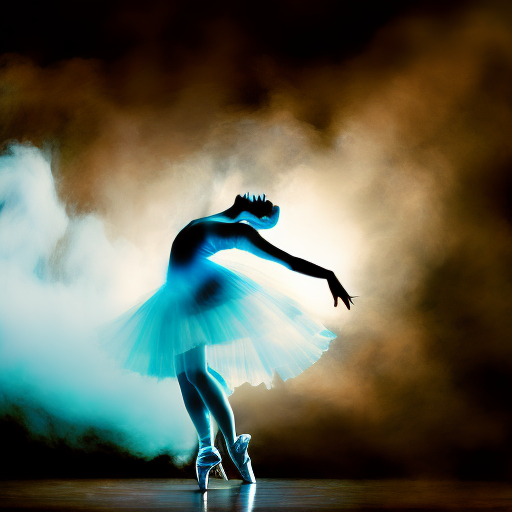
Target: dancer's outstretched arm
[{"x": 251, "y": 241}]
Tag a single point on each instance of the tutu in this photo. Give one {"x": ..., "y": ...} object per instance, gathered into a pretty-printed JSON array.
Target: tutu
[{"x": 251, "y": 331}]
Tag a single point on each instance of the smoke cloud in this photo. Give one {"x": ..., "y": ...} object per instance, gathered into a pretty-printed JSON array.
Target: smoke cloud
[{"x": 60, "y": 278}]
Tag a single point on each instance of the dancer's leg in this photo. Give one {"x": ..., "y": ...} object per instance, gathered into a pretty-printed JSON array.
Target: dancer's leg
[
  {"x": 195, "y": 406},
  {"x": 211, "y": 391}
]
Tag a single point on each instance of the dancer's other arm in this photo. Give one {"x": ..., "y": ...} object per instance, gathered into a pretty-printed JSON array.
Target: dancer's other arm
[{"x": 251, "y": 241}]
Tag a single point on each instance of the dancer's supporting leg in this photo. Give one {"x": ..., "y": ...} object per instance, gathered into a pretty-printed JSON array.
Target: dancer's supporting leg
[
  {"x": 195, "y": 406},
  {"x": 210, "y": 391}
]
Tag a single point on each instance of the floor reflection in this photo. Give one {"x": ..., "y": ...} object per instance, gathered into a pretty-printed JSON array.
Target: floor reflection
[
  {"x": 239, "y": 498},
  {"x": 267, "y": 494}
]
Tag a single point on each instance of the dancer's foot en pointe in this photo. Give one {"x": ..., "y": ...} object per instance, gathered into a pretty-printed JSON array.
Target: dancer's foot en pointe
[
  {"x": 241, "y": 459},
  {"x": 208, "y": 458}
]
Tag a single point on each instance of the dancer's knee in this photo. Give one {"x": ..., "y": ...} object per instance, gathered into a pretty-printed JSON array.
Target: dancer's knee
[
  {"x": 197, "y": 376},
  {"x": 182, "y": 378}
]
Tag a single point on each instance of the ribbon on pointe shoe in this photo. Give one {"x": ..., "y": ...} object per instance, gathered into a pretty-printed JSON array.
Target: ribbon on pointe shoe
[{"x": 208, "y": 456}]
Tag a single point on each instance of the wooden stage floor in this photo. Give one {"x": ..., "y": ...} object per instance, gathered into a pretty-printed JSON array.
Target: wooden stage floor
[{"x": 267, "y": 494}]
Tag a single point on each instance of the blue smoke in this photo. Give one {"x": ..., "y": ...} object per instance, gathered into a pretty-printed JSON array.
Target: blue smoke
[{"x": 60, "y": 278}]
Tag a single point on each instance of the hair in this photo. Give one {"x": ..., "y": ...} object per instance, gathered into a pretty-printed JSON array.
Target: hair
[{"x": 258, "y": 206}]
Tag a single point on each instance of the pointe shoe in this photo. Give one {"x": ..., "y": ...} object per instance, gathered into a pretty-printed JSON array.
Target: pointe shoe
[
  {"x": 207, "y": 459},
  {"x": 241, "y": 459}
]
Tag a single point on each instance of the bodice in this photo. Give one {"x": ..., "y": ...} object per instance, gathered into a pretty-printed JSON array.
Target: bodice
[
  {"x": 191, "y": 274},
  {"x": 199, "y": 240}
]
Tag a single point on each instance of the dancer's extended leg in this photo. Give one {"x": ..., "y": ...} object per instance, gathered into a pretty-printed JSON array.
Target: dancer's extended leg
[
  {"x": 197, "y": 411},
  {"x": 195, "y": 406},
  {"x": 208, "y": 457},
  {"x": 210, "y": 391}
]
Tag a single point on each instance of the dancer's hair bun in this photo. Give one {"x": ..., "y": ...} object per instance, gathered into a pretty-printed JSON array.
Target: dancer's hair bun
[{"x": 257, "y": 205}]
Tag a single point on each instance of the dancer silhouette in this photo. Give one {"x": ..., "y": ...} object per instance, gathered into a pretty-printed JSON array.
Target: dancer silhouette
[{"x": 215, "y": 329}]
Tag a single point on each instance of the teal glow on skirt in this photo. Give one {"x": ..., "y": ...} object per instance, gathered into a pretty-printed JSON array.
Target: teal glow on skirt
[{"x": 251, "y": 331}]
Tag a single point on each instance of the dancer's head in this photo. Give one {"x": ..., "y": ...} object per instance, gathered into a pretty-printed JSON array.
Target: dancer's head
[{"x": 256, "y": 211}]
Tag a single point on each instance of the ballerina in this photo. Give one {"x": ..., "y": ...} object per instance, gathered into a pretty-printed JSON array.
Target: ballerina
[{"x": 214, "y": 329}]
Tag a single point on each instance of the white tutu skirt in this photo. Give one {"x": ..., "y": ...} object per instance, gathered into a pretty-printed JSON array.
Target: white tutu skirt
[{"x": 251, "y": 331}]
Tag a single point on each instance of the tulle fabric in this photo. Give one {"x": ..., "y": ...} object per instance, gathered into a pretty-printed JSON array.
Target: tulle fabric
[{"x": 252, "y": 331}]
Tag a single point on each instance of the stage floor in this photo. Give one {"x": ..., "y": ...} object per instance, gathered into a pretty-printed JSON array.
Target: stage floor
[{"x": 267, "y": 494}]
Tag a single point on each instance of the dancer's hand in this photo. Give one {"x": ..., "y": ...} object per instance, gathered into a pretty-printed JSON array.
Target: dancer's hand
[{"x": 337, "y": 290}]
